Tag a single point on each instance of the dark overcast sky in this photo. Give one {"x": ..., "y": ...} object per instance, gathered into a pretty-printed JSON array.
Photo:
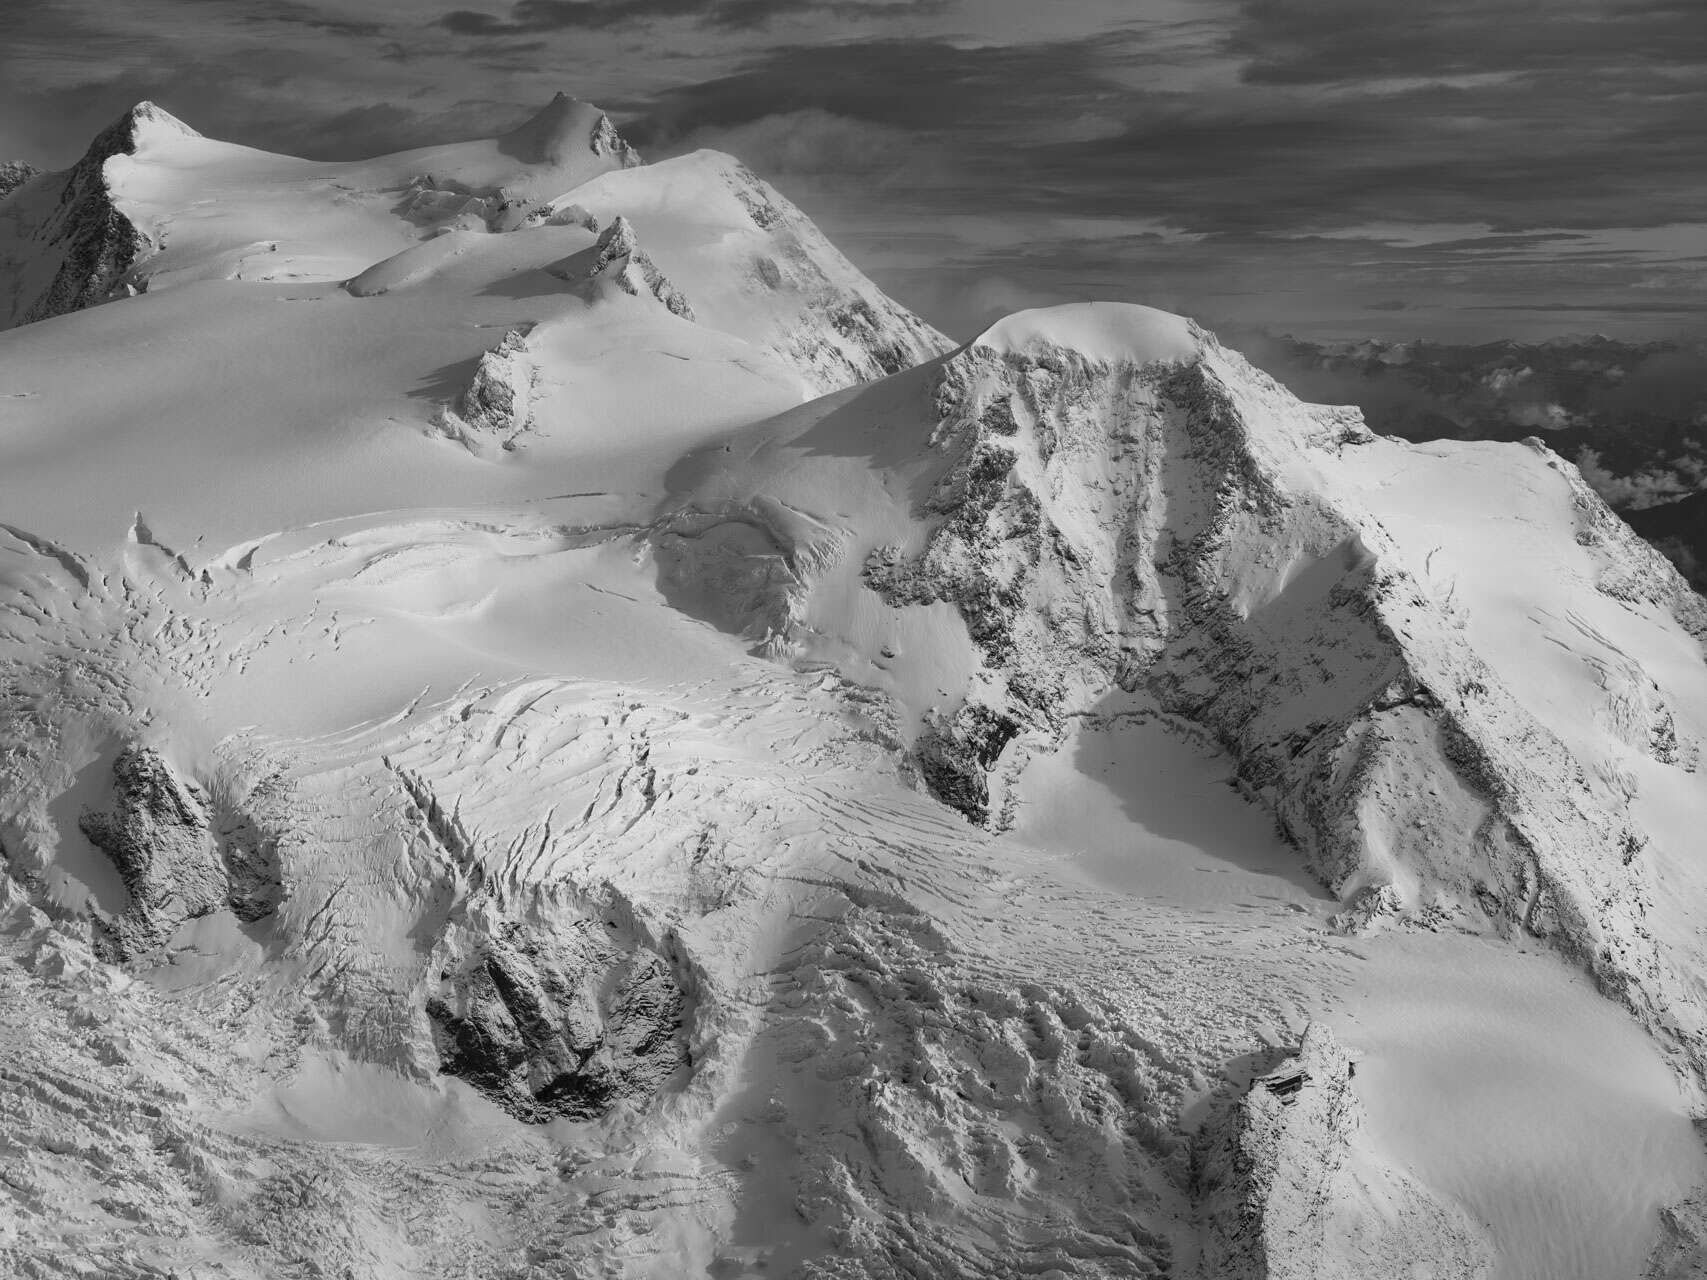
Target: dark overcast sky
[{"x": 1469, "y": 167}]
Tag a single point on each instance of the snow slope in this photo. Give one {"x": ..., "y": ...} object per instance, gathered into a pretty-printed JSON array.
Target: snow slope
[{"x": 486, "y": 751}]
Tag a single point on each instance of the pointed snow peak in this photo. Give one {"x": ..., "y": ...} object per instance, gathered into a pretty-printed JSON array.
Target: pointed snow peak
[
  {"x": 146, "y": 115},
  {"x": 141, "y": 122},
  {"x": 566, "y": 130},
  {"x": 124, "y": 135},
  {"x": 1101, "y": 332}
]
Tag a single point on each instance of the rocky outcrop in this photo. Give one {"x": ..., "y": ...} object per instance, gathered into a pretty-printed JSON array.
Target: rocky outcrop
[
  {"x": 1168, "y": 527},
  {"x": 497, "y": 403},
  {"x": 14, "y": 174},
  {"x": 955, "y": 755},
  {"x": 82, "y": 244},
  {"x": 447, "y": 204},
  {"x": 176, "y": 862},
  {"x": 618, "y": 259},
  {"x": 568, "y": 214},
  {"x": 1285, "y": 1194},
  {"x": 499, "y": 399},
  {"x": 560, "y": 1022}
]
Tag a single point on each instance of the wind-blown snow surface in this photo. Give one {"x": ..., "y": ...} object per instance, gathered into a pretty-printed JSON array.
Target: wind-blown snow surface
[{"x": 502, "y": 806}]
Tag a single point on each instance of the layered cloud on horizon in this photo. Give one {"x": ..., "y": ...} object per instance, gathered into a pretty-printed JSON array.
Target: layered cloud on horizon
[{"x": 1326, "y": 166}]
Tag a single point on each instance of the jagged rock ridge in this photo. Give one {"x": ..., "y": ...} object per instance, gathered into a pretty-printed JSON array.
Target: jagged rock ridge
[
  {"x": 619, "y": 260},
  {"x": 84, "y": 245}
]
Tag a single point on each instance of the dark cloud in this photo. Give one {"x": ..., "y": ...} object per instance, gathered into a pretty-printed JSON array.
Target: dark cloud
[
  {"x": 922, "y": 86},
  {"x": 1283, "y": 187},
  {"x": 1307, "y": 158},
  {"x": 294, "y": 13},
  {"x": 243, "y": 101},
  {"x": 1313, "y": 42},
  {"x": 1678, "y": 308},
  {"x": 1517, "y": 155},
  {"x": 533, "y": 16}
]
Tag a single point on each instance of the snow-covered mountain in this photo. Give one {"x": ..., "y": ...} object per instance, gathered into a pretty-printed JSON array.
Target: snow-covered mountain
[
  {"x": 547, "y": 728},
  {"x": 1632, "y": 416}
]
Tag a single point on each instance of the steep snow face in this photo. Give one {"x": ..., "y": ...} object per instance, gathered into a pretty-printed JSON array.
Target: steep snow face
[{"x": 753, "y": 264}]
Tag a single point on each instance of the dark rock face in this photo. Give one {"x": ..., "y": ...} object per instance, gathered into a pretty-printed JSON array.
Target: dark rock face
[
  {"x": 859, "y": 323},
  {"x": 560, "y": 1024},
  {"x": 955, "y": 757},
  {"x": 497, "y": 399},
  {"x": 254, "y": 886},
  {"x": 95, "y": 243},
  {"x": 14, "y": 174},
  {"x": 160, "y": 836}
]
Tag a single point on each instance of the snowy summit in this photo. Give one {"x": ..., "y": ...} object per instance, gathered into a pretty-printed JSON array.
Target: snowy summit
[{"x": 1107, "y": 332}]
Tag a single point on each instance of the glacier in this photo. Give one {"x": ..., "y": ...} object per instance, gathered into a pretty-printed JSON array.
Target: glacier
[{"x": 547, "y": 727}]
